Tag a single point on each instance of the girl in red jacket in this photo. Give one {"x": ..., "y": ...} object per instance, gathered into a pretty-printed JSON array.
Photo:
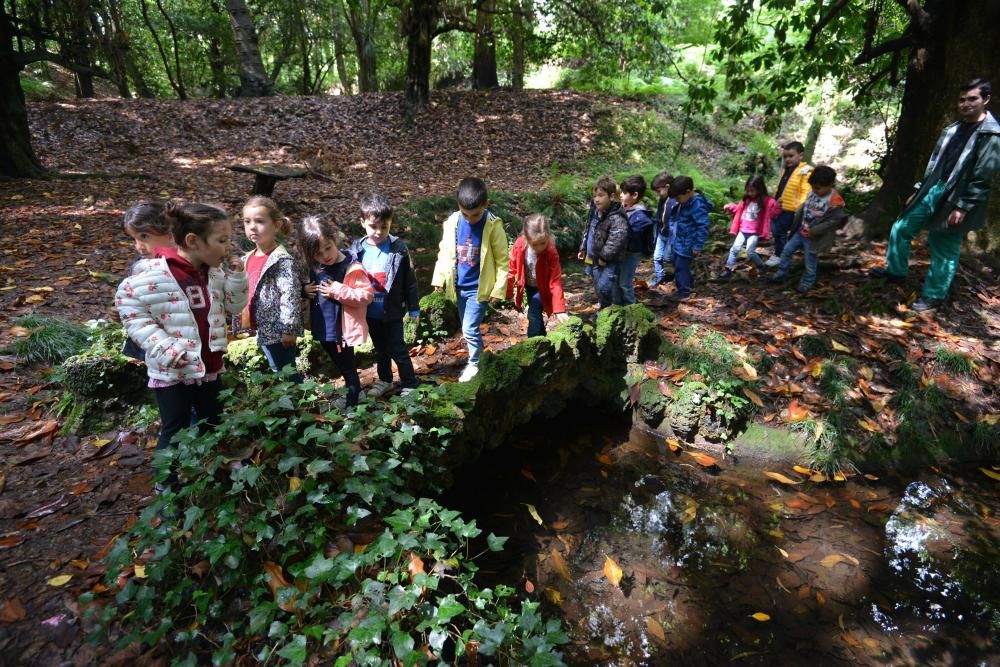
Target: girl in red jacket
[{"x": 535, "y": 274}]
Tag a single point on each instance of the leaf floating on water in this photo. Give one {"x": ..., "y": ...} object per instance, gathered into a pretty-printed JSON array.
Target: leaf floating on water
[
  {"x": 778, "y": 477},
  {"x": 528, "y": 474},
  {"x": 528, "y": 586},
  {"x": 839, "y": 476},
  {"x": 674, "y": 445},
  {"x": 559, "y": 565},
  {"x": 559, "y": 525},
  {"x": 818, "y": 477},
  {"x": 703, "y": 459},
  {"x": 760, "y": 616},
  {"x": 992, "y": 474},
  {"x": 804, "y": 471},
  {"x": 654, "y": 628},
  {"x": 534, "y": 513},
  {"x": 612, "y": 571},
  {"x": 61, "y": 580},
  {"x": 553, "y": 596},
  {"x": 835, "y": 558},
  {"x": 605, "y": 459}
]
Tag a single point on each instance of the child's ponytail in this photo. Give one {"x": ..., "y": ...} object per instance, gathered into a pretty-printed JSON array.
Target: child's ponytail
[{"x": 146, "y": 218}]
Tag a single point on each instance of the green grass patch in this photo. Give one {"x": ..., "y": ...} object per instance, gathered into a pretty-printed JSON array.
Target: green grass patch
[
  {"x": 954, "y": 361},
  {"x": 50, "y": 339}
]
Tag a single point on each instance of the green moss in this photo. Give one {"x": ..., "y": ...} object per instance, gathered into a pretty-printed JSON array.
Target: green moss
[
  {"x": 95, "y": 377},
  {"x": 438, "y": 317},
  {"x": 652, "y": 402},
  {"x": 627, "y": 332},
  {"x": 689, "y": 405}
]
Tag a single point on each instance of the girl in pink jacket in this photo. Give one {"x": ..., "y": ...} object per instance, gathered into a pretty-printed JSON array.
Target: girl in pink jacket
[
  {"x": 340, "y": 292},
  {"x": 751, "y": 223}
]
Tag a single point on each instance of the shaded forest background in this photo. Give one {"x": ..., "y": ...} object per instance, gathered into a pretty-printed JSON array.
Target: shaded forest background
[{"x": 889, "y": 62}]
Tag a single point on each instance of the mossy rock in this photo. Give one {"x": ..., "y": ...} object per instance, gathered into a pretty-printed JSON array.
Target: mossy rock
[
  {"x": 684, "y": 413},
  {"x": 628, "y": 333},
  {"x": 102, "y": 377},
  {"x": 652, "y": 403},
  {"x": 438, "y": 317}
]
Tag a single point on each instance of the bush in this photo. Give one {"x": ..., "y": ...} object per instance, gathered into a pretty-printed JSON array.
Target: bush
[{"x": 293, "y": 536}]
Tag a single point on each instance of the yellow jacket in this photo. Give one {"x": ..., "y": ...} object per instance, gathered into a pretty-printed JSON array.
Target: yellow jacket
[
  {"x": 493, "y": 259},
  {"x": 797, "y": 188}
]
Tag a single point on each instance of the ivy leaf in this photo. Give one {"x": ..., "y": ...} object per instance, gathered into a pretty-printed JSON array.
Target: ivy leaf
[
  {"x": 449, "y": 609},
  {"x": 496, "y": 543},
  {"x": 295, "y": 650}
]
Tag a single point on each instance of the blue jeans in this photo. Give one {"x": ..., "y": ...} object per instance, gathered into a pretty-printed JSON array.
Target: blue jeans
[
  {"x": 536, "y": 319},
  {"x": 780, "y": 225},
  {"x": 470, "y": 312},
  {"x": 343, "y": 359},
  {"x": 607, "y": 286},
  {"x": 683, "y": 278},
  {"x": 626, "y": 276},
  {"x": 279, "y": 356},
  {"x": 662, "y": 254},
  {"x": 751, "y": 241},
  {"x": 387, "y": 337},
  {"x": 811, "y": 260}
]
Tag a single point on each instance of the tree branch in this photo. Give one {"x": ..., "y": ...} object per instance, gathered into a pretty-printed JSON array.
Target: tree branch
[
  {"x": 875, "y": 78},
  {"x": 822, "y": 23},
  {"x": 890, "y": 46},
  {"x": 25, "y": 58}
]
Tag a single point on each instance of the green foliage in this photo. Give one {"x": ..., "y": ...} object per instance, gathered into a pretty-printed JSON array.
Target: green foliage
[
  {"x": 50, "y": 339},
  {"x": 955, "y": 361},
  {"x": 292, "y": 535}
]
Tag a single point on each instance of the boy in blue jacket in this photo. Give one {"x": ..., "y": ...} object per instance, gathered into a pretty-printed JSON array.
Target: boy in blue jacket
[
  {"x": 387, "y": 262},
  {"x": 663, "y": 225},
  {"x": 640, "y": 234},
  {"x": 689, "y": 217}
]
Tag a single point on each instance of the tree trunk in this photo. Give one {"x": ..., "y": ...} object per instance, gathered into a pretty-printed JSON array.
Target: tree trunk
[
  {"x": 338, "y": 54},
  {"x": 122, "y": 47},
  {"x": 942, "y": 58},
  {"x": 253, "y": 79},
  {"x": 484, "y": 63},
  {"x": 79, "y": 48},
  {"x": 17, "y": 159},
  {"x": 361, "y": 15},
  {"x": 420, "y": 20},
  {"x": 518, "y": 22},
  {"x": 176, "y": 83}
]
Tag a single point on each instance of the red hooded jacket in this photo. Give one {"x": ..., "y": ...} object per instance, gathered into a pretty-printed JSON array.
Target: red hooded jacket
[{"x": 548, "y": 277}]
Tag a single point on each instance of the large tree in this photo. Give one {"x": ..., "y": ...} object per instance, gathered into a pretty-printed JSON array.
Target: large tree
[
  {"x": 773, "y": 49},
  {"x": 253, "y": 77}
]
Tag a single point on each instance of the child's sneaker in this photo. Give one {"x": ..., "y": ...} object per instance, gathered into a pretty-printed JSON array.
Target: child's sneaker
[
  {"x": 774, "y": 260},
  {"x": 379, "y": 388},
  {"x": 726, "y": 274},
  {"x": 469, "y": 373},
  {"x": 407, "y": 391}
]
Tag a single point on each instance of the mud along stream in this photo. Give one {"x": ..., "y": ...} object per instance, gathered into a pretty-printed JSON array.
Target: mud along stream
[{"x": 726, "y": 566}]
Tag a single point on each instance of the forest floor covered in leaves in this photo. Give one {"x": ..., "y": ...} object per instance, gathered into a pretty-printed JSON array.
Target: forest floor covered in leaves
[{"x": 64, "y": 498}]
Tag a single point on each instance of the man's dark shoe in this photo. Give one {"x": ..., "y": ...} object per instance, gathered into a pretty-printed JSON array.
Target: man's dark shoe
[
  {"x": 882, "y": 273},
  {"x": 925, "y": 305}
]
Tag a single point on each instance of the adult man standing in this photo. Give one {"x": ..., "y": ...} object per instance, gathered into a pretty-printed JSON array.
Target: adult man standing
[{"x": 952, "y": 198}]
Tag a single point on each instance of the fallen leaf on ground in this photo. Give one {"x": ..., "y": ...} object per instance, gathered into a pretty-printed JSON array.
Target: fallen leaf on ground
[
  {"x": 754, "y": 398},
  {"x": 12, "y": 610},
  {"x": 992, "y": 474},
  {"x": 795, "y": 412},
  {"x": 760, "y": 616},
  {"x": 559, "y": 565},
  {"x": 835, "y": 558},
  {"x": 61, "y": 580},
  {"x": 554, "y": 596}
]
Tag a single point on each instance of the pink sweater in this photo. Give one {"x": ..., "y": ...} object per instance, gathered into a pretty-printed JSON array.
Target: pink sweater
[{"x": 770, "y": 209}]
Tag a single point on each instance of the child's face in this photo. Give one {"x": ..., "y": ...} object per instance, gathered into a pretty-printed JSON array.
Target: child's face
[
  {"x": 663, "y": 191},
  {"x": 683, "y": 197},
  {"x": 602, "y": 200},
  {"x": 792, "y": 158},
  {"x": 211, "y": 249},
  {"x": 145, "y": 242},
  {"x": 822, "y": 190},
  {"x": 328, "y": 252},
  {"x": 750, "y": 193},
  {"x": 629, "y": 198},
  {"x": 377, "y": 230},
  {"x": 259, "y": 227},
  {"x": 539, "y": 244},
  {"x": 474, "y": 215}
]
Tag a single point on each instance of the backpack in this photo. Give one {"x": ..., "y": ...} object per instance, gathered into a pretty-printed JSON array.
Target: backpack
[{"x": 649, "y": 240}]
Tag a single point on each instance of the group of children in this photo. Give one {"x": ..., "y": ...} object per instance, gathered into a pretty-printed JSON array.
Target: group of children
[
  {"x": 177, "y": 299},
  {"x": 804, "y": 214}
]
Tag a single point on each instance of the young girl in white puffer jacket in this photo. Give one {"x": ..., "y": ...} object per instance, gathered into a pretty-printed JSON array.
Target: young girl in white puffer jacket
[{"x": 175, "y": 307}]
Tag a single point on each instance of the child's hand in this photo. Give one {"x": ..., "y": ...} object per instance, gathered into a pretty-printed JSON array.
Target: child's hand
[
  {"x": 181, "y": 360},
  {"x": 326, "y": 289},
  {"x": 562, "y": 317},
  {"x": 310, "y": 289},
  {"x": 805, "y": 232},
  {"x": 581, "y": 256},
  {"x": 235, "y": 264},
  {"x": 601, "y": 262},
  {"x": 438, "y": 288},
  {"x": 288, "y": 340}
]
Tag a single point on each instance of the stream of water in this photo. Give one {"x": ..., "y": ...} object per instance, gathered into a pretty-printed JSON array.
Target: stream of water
[{"x": 730, "y": 567}]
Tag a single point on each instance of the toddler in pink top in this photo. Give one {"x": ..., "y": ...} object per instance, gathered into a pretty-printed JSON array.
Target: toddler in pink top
[{"x": 751, "y": 223}]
